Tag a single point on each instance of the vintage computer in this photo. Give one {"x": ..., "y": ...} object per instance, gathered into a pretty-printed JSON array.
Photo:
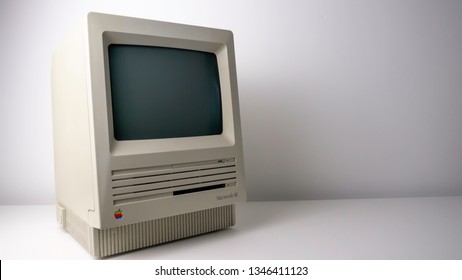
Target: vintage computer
[{"x": 147, "y": 133}]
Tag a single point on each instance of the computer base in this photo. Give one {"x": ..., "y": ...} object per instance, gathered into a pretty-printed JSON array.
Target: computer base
[{"x": 101, "y": 243}]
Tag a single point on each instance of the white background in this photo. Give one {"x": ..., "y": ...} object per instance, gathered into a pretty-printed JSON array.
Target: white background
[{"x": 339, "y": 99}]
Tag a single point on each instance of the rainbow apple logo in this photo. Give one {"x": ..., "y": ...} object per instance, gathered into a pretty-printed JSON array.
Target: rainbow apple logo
[{"x": 118, "y": 214}]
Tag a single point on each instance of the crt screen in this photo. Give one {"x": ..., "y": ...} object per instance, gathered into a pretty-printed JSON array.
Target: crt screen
[{"x": 161, "y": 92}]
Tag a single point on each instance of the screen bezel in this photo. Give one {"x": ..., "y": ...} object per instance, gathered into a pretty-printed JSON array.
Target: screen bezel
[{"x": 130, "y": 147}]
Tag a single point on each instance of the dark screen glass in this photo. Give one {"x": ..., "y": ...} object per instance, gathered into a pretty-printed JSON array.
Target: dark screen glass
[{"x": 164, "y": 92}]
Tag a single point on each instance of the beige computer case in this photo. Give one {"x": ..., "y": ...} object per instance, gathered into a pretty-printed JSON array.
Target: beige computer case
[{"x": 118, "y": 196}]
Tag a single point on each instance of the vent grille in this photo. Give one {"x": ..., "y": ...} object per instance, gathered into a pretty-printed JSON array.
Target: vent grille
[
  {"x": 132, "y": 185},
  {"x": 106, "y": 242},
  {"x": 130, "y": 237}
]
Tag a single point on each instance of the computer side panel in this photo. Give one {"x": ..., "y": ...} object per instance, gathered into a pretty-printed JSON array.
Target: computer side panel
[{"x": 74, "y": 171}]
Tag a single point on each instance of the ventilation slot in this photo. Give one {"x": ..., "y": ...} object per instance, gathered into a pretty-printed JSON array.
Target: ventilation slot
[
  {"x": 133, "y": 185},
  {"x": 134, "y": 236}
]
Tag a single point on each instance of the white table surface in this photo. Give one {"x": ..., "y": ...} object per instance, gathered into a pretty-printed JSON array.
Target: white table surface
[{"x": 398, "y": 228}]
